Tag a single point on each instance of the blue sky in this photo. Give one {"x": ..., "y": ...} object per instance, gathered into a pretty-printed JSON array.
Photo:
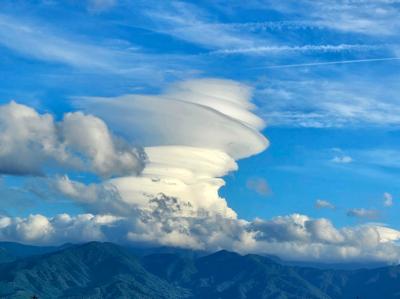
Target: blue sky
[{"x": 324, "y": 75}]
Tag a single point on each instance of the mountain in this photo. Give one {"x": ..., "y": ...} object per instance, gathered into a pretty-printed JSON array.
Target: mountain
[
  {"x": 229, "y": 275},
  {"x": 167, "y": 250},
  {"x": 93, "y": 270},
  {"x": 363, "y": 283},
  {"x": 106, "y": 270}
]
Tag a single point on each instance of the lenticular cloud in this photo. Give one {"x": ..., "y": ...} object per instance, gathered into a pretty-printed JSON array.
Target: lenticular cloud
[
  {"x": 164, "y": 192},
  {"x": 213, "y": 114},
  {"x": 192, "y": 135}
]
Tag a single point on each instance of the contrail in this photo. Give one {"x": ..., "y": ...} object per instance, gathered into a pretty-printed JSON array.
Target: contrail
[{"x": 327, "y": 63}]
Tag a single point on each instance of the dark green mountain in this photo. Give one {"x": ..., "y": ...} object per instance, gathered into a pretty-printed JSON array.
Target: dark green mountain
[
  {"x": 105, "y": 270},
  {"x": 229, "y": 275},
  {"x": 93, "y": 270}
]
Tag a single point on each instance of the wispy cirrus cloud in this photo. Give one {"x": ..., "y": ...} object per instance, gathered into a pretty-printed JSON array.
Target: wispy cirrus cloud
[
  {"x": 38, "y": 40},
  {"x": 363, "y": 17},
  {"x": 41, "y": 43},
  {"x": 383, "y": 157},
  {"x": 187, "y": 22},
  {"x": 334, "y": 103}
]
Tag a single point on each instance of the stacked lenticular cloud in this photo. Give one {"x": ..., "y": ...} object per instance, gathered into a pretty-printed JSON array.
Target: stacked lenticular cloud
[
  {"x": 150, "y": 169},
  {"x": 192, "y": 135}
]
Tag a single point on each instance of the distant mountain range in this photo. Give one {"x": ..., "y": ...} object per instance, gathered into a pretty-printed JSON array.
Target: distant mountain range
[{"x": 106, "y": 270}]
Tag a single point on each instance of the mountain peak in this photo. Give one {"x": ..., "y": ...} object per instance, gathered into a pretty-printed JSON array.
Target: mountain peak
[{"x": 225, "y": 253}]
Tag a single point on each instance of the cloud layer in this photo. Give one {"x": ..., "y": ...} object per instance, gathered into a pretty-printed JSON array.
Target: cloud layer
[
  {"x": 166, "y": 193},
  {"x": 293, "y": 237}
]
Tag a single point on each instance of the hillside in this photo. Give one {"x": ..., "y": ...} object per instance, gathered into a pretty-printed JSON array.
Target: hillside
[{"x": 105, "y": 270}]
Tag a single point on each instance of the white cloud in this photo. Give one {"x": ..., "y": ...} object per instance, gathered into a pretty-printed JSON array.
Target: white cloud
[
  {"x": 187, "y": 22},
  {"x": 192, "y": 136},
  {"x": 263, "y": 50},
  {"x": 342, "y": 159},
  {"x": 300, "y": 237},
  {"x": 387, "y": 199},
  {"x": 190, "y": 174},
  {"x": 31, "y": 142},
  {"x": 363, "y": 213},
  {"x": 204, "y": 113},
  {"x": 313, "y": 102},
  {"x": 326, "y": 63},
  {"x": 38, "y": 229},
  {"x": 41, "y": 43},
  {"x": 107, "y": 155},
  {"x": 323, "y": 204},
  {"x": 292, "y": 237},
  {"x": 35, "y": 227},
  {"x": 41, "y": 40},
  {"x": 376, "y": 18}
]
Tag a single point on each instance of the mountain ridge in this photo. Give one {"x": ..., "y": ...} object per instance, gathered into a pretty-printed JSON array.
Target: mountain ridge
[{"x": 106, "y": 270}]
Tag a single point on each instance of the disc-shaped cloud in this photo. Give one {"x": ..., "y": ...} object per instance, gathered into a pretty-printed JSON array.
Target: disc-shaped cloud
[
  {"x": 192, "y": 134},
  {"x": 211, "y": 114}
]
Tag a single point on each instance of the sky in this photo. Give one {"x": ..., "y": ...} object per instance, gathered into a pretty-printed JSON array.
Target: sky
[{"x": 269, "y": 127}]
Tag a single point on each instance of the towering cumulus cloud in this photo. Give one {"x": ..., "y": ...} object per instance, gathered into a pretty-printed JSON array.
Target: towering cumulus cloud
[{"x": 166, "y": 191}]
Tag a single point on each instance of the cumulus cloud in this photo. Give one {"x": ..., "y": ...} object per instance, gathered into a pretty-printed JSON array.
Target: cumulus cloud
[
  {"x": 292, "y": 237},
  {"x": 363, "y": 213},
  {"x": 172, "y": 221},
  {"x": 301, "y": 237},
  {"x": 38, "y": 229},
  {"x": 31, "y": 142},
  {"x": 323, "y": 204},
  {"x": 258, "y": 185},
  {"x": 106, "y": 155},
  {"x": 387, "y": 199},
  {"x": 192, "y": 135}
]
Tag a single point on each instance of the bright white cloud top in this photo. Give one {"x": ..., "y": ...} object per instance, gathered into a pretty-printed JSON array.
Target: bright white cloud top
[
  {"x": 164, "y": 192},
  {"x": 192, "y": 136}
]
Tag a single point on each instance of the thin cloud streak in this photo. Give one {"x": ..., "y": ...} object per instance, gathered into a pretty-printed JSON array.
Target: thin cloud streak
[
  {"x": 302, "y": 49},
  {"x": 327, "y": 63}
]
